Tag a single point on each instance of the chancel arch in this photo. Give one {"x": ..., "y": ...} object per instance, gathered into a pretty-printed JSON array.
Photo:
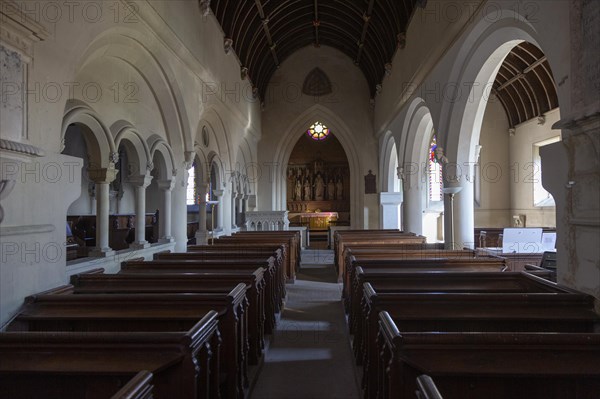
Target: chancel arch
[
  {"x": 318, "y": 181},
  {"x": 286, "y": 145}
]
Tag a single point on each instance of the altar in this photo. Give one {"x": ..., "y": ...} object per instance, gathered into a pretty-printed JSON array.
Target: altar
[{"x": 317, "y": 220}]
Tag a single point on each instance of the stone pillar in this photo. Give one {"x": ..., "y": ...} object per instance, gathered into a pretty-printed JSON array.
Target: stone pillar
[
  {"x": 234, "y": 196},
  {"x": 390, "y": 210},
  {"x": 202, "y": 232},
  {"x": 166, "y": 186},
  {"x": 240, "y": 214},
  {"x": 571, "y": 168},
  {"x": 219, "y": 216},
  {"x": 102, "y": 179},
  {"x": 140, "y": 183},
  {"x": 413, "y": 202}
]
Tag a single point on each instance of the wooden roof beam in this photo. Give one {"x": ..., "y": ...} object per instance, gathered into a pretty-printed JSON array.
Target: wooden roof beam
[
  {"x": 367, "y": 21},
  {"x": 265, "y": 24}
]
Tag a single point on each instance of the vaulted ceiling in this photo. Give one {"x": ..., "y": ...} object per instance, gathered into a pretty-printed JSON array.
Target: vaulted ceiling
[
  {"x": 265, "y": 32},
  {"x": 525, "y": 85}
]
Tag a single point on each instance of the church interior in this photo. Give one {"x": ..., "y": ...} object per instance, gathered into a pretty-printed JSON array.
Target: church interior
[{"x": 299, "y": 199}]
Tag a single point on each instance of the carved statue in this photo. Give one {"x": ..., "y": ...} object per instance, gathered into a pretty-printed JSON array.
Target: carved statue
[
  {"x": 298, "y": 192},
  {"x": 319, "y": 188},
  {"x": 330, "y": 190},
  {"x": 339, "y": 189},
  {"x": 307, "y": 193}
]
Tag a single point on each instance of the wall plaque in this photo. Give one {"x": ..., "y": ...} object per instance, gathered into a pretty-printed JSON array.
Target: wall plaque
[{"x": 370, "y": 183}]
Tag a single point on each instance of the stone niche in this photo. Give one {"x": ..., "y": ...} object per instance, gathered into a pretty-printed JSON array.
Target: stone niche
[{"x": 318, "y": 179}]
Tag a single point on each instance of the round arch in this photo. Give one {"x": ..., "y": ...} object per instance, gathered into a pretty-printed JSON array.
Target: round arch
[
  {"x": 286, "y": 145},
  {"x": 140, "y": 153},
  {"x": 128, "y": 46},
  {"x": 101, "y": 147}
]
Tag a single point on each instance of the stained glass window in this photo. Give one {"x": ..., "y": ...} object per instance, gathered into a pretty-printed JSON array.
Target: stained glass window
[
  {"x": 318, "y": 131},
  {"x": 435, "y": 174},
  {"x": 191, "y": 186}
]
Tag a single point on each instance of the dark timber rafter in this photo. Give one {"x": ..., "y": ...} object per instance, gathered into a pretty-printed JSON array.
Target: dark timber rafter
[
  {"x": 316, "y": 23},
  {"x": 266, "y": 32},
  {"x": 525, "y": 85},
  {"x": 367, "y": 21},
  {"x": 265, "y": 24}
]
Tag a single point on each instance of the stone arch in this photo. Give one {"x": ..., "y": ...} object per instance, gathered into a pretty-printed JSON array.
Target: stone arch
[
  {"x": 101, "y": 147},
  {"x": 167, "y": 168},
  {"x": 478, "y": 60},
  {"x": 416, "y": 129},
  {"x": 128, "y": 46},
  {"x": 389, "y": 158},
  {"x": 286, "y": 145},
  {"x": 138, "y": 150}
]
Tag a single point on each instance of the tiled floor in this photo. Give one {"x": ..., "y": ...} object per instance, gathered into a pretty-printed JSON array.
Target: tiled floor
[{"x": 310, "y": 356}]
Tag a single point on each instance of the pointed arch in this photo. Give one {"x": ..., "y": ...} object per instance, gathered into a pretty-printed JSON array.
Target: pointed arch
[{"x": 286, "y": 145}]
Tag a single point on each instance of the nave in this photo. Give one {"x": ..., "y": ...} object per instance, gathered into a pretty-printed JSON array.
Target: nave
[{"x": 311, "y": 345}]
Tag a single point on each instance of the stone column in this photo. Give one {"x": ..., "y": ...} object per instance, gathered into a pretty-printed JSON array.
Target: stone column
[
  {"x": 202, "y": 232},
  {"x": 140, "y": 183},
  {"x": 102, "y": 179},
  {"x": 234, "y": 196},
  {"x": 413, "y": 201},
  {"x": 219, "y": 217},
  {"x": 239, "y": 215},
  {"x": 164, "y": 221},
  {"x": 390, "y": 210}
]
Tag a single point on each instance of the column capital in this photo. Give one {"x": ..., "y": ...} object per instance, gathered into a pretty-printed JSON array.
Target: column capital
[
  {"x": 166, "y": 185},
  {"x": 142, "y": 181},
  {"x": 102, "y": 175},
  {"x": 218, "y": 193}
]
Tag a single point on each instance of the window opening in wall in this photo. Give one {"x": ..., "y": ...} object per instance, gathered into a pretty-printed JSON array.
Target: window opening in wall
[
  {"x": 541, "y": 197},
  {"x": 318, "y": 131},
  {"x": 435, "y": 174},
  {"x": 191, "y": 193}
]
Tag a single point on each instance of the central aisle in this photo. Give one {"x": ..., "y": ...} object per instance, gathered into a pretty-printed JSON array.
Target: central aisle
[{"x": 310, "y": 355}]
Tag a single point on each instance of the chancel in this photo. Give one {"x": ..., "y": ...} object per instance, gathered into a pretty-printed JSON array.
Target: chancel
[{"x": 299, "y": 199}]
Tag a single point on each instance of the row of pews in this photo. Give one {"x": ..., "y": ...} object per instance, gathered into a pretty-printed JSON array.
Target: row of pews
[
  {"x": 433, "y": 323},
  {"x": 183, "y": 325}
]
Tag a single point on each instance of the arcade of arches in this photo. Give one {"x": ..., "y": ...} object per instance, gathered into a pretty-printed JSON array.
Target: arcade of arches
[{"x": 170, "y": 123}]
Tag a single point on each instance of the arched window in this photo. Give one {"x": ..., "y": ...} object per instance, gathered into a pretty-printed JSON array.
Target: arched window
[
  {"x": 434, "y": 174},
  {"x": 318, "y": 131},
  {"x": 191, "y": 194}
]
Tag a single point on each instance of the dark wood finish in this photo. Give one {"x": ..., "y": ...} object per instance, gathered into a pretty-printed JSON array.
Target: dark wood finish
[
  {"x": 92, "y": 364},
  {"x": 148, "y": 313},
  {"x": 241, "y": 267},
  {"x": 495, "y": 365},
  {"x": 560, "y": 311}
]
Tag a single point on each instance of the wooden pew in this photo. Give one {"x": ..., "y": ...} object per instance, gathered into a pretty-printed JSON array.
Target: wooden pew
[
  {"x": 290, "y": 239},
  {"x": 426, "y": 388},
  {"x": 245, "y": 266},
  {"x": 92, "y": 364},
  {"x": 149, "y": 313},
  {"x": 417, "y": 264},
  {"x": 563, "y": 310},
  {"x": 74, "y": 385},
  {"x": 280, "y": 253},
  {"x": 494, "y": 365},
  {"x": 139, "y": 387},
  {"x": 367, "y": 237},
  {"x": 261, "y": 257},
  {"x": 162, "y": 283}
]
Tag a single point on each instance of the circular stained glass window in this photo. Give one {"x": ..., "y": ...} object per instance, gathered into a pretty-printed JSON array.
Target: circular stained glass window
[{"x": 318, "y": 131}]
